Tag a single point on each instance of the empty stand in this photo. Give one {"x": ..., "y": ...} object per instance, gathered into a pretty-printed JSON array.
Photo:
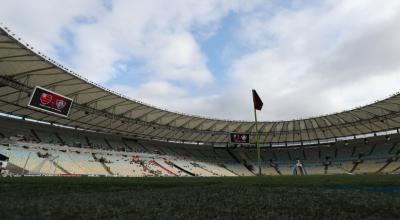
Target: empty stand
[{"x": 39, "y": 149}]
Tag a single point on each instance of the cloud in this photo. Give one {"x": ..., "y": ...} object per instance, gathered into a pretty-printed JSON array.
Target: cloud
[
  {"x": 177, "y": 57},
  {"x": 41, "y": 22},
  {"x": 321, "y": 59},
  {"x": 157, "y": 33},
  {"x": 152, "y": 92}
]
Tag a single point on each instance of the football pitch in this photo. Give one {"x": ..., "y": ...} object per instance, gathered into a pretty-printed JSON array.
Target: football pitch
[{"x": 284, "y": 197}]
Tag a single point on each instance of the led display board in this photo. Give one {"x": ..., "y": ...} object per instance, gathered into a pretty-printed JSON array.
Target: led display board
[{"x": 49, "y": 101}]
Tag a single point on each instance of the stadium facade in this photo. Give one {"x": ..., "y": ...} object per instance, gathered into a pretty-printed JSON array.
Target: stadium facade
[{"x": 107, "y": 133}]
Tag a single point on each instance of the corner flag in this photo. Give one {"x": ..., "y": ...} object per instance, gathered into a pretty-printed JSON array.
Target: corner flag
[{"x": 258, "y": 104}]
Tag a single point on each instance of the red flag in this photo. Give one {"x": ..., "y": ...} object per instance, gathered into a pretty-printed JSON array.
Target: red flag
[{"x": 258, "y": 104}]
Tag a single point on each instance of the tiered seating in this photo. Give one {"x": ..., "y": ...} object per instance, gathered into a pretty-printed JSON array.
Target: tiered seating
[
  {"x": 357, "y": 156},
  {"x": 164, "y": 162},
  {"x": 98, "y": 142},
  {"x": 196, "y": 154},
  {"x": 267, "y": 155},
  {"x": 157, "y": 169},
  {"x": 282, "y": 155},
  {"x": 117, "y": 144},
  {"x": 134, "y": 146},
  {"x": 17, "y": 155},
  {"x": 153, "y": 149},
  {"x": 223, "y": 156},
  {"x": 181, "y": 152},
  {"x": 120, "y": 166},
  {"x": 268, "y": 170},
  {"x": 312, "y": 154},
  {"x": 327, "y": 152},
  {"x": 47, "y": 137},
  {"x": 336, "y": 168},
  {"x": 370, "y": 166},
  {"x": 71, "y": 139},
  {"x": 193, "y": 168},
  {"x": 238, "y": 169},
  {"x": 209, "y": 155},
  {"x": 9, "y": 129},
  {"x": 344, "y": 153},
  {"x": 65, "y": 161},
  {"x": 241, "y": 154},
  {"x": 314, "y": 168},
  {"x": 166, "y": 150},
  {"x": 395, "y": 149},
  {"x": 86, "y": 162},
  {"x": 49, "y": 168},
  {"x": 363, "y": 150},
  {"x": 296, "y": 154},
  {"x": 382, "y": 150},
  {"x": 43, "y": 165},
  {"x": 30, "y": 161},
  {"x": 286, "y": 168},
  {"x": 249, "y": 154},
  {"x": 347, "y": 165},
  {"x": 391, "y": 167},
  {"x": 313, "y": 164},
  {"x": 218, "y": 170}
]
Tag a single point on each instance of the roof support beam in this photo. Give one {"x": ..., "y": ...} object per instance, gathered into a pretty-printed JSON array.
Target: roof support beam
[
  {"x": 31, "y": 71},
  {"x": 16, "y": 56}
]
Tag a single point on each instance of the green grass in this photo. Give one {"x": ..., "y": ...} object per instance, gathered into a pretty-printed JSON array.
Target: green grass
[{"x": 287, "y": 197}]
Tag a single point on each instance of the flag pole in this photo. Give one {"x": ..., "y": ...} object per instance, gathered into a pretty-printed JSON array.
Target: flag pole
[
  {"x": 257, "y": 144},
  {"x": 258, "y": 104}
]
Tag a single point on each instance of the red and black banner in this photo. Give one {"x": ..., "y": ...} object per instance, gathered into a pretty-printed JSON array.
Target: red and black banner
[
  {"x": 258, "y": 104},
  {"x": 240, "y": 138},
  {"x": 48, "y": 101}
]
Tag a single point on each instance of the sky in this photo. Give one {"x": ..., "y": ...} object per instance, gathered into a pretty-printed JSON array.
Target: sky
[{"x": 305, "y": 58}]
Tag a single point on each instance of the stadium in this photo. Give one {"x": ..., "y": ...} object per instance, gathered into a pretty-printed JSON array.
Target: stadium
[
  {"x": 107, "y": 134},
  {"x": 77, "y": 129}
]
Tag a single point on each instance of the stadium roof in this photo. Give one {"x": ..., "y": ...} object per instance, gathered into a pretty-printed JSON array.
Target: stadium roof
[{"x": 99, "y": 109}]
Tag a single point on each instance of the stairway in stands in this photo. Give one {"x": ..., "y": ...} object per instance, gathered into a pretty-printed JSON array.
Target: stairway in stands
[
  {"x": 102, "y": 162},
  {"x": 207, "y": 170},
  {"x": 36, "y": 135},
  {"x": 108, "y": 169},
  {"x": 240, "y": 161},
  {"x": 224, "y": 167},
  {"x": 163, "y": 168},
  {"x": 183, "y": 170},
  {"x": 388, "y": 164},
  {"x": 59, "y": 138},
  {"x": 247, "y": 162},
  {"x": 59, "y": 166},
  {"x": 276, "y": 167}
]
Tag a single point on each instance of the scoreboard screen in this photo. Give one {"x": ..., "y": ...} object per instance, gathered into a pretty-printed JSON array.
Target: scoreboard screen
[
  {"x": 240, "y": 138},
  {"x": 51, "y": 102}
]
